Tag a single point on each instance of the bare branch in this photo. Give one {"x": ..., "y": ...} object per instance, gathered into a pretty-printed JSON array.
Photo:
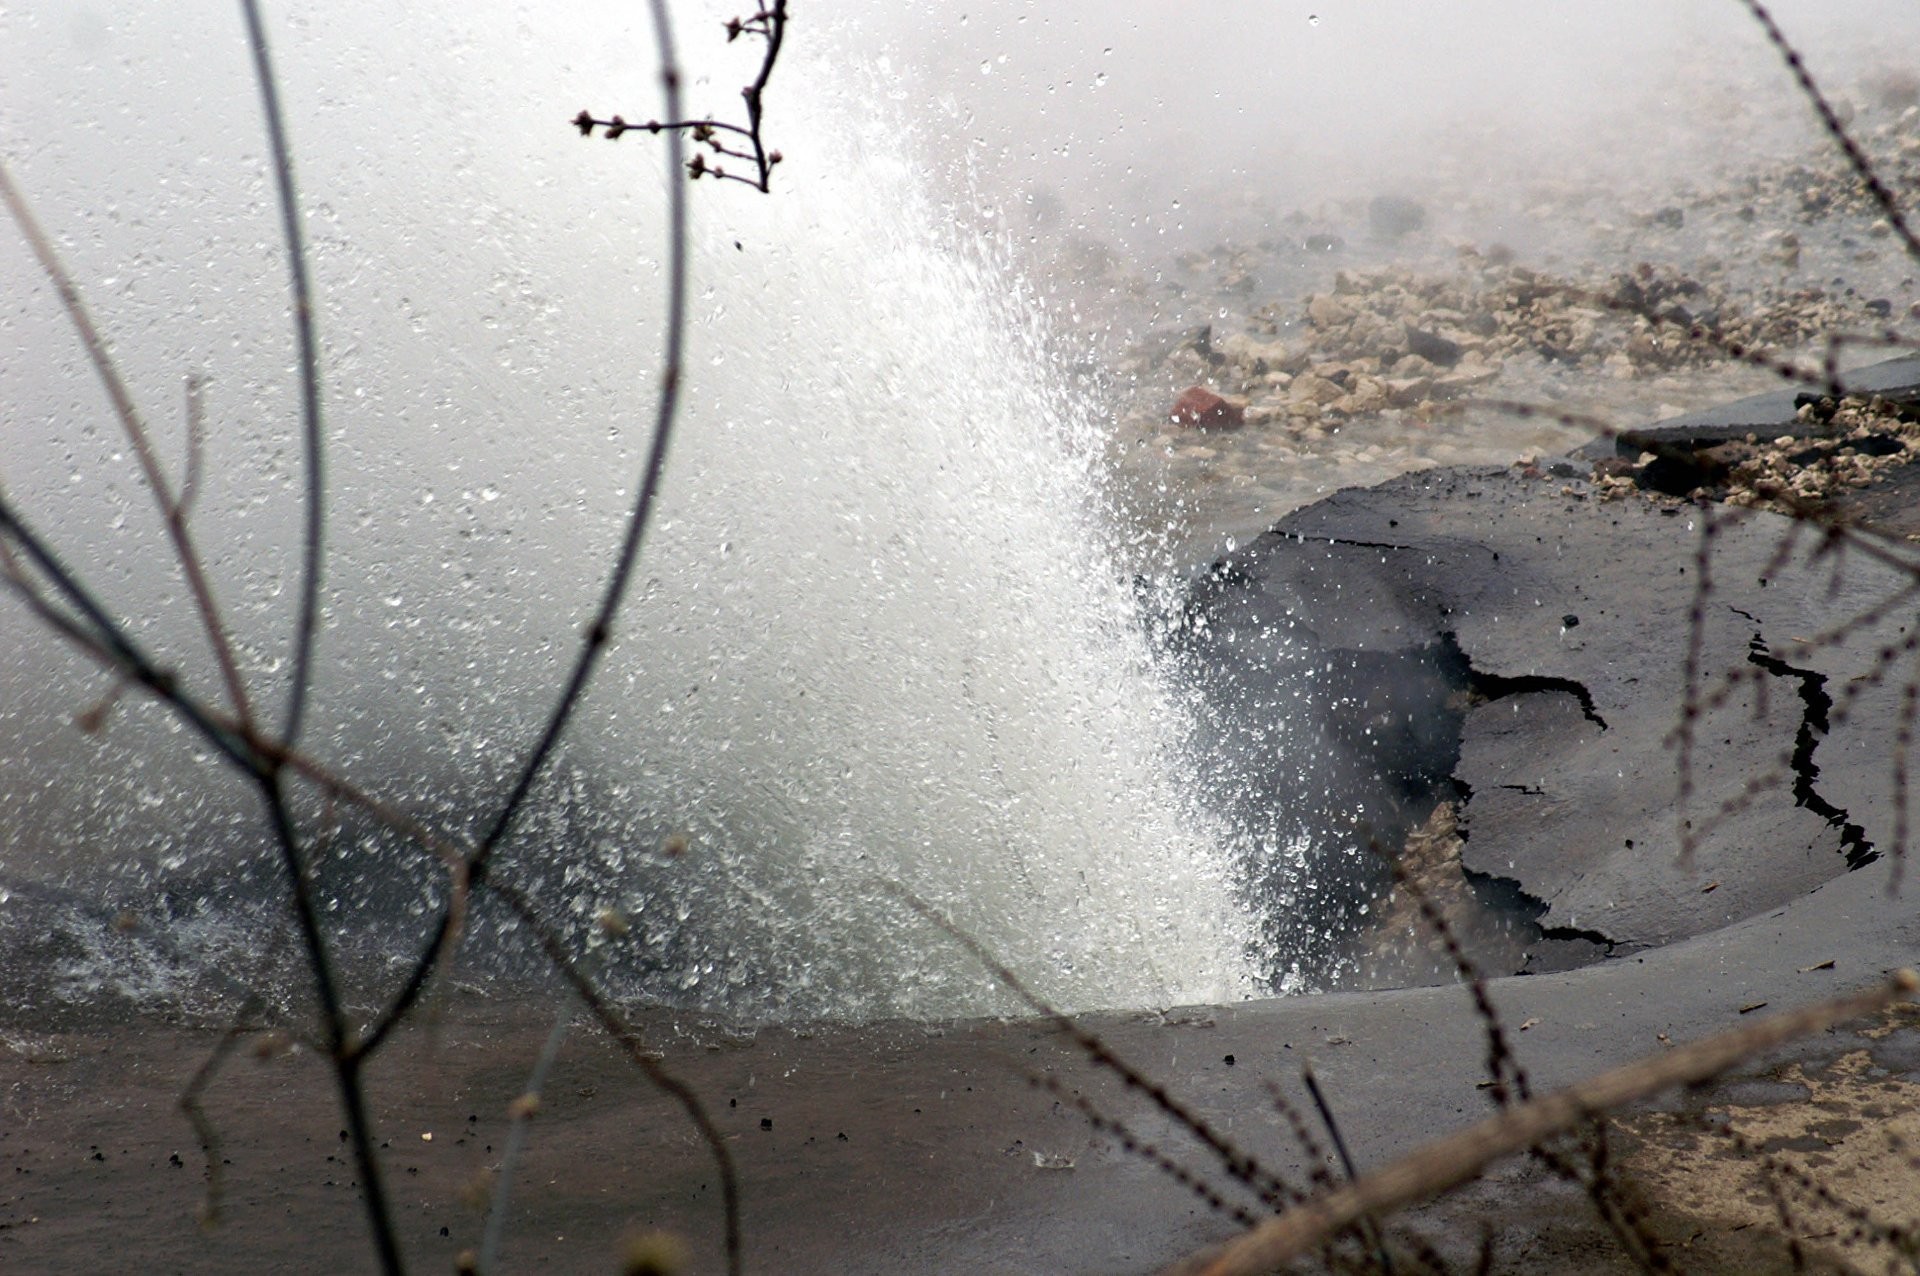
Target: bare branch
[
  {"x": 111, "y": 639},
  {"x": 342, "y": 1053},
  {"x": 769, "y": 24}
]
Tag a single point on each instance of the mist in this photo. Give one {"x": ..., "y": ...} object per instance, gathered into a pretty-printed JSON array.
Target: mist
[
  {"x": 1146, "y": 122},
  {"x": 489, "y": 325}
]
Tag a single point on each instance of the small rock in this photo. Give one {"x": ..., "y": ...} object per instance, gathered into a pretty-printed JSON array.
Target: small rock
[
  {"x": 1679, "y": 473},
  {"x": 1391, "y": 342},
  {"x": 1311, "y": 388},
  {"x": 1328, "y": 312},
  {"x": 1392, "y": 216},
  {"x": 1367, "y": 397},
  {"x": 1200, "y": 407},
  {"x": 1433, "y": 347},
  {"x": 1407, "y": 391},
  {"x": 1671, "y": 217},
  {"x": 1254, "y": 358},
  {"x": 1893, "y": 88},
  {"x": 1463, "y": 378}
]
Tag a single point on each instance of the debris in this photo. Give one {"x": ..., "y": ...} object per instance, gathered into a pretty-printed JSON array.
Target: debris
[{"x": 1201, "y": 407}]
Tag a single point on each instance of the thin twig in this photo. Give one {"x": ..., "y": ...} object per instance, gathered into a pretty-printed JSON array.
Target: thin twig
[
  {"x": 521, "y": 1115},
  {"x": 1134, "y": 1145},
  {"x": 1504, "y": 1068},
  {"x": 599, "y": 631},
  {"x": 191, "y": 565},
  {"x": 314, "y": 531},
  {"x": 127, "y": 655},
  {"x": 196, "y": 437},
  {"x": 770, "y": 24},
  {"x": 1690, "y": 682},
  {"x": 656, "y": 1072},
  {"x": 1862, "y": 166},
  {"x": 204, "y": 1131},
  {"x": 1367, "y": 1227}
]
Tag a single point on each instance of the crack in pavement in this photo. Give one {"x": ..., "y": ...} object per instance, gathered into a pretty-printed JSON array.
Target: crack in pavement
[
  {"x": 1580, "y": 932},
  {"x": 1498, "y": 686},
  {"x": 1814, "y": 724}
]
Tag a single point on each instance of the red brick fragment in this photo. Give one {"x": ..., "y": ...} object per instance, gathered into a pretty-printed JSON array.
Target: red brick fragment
[{"x": 1200, "y": 407}]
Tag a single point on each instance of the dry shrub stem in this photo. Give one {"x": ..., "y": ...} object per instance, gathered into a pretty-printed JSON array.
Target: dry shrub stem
[
  {"x": 205, "y": 1132},
  {"x": 768, "y": 24},
  {"x": 1317, "y": 1157},
  {"x": 649, "y": 1064},
  {"x": 69, "y": 607},
  {"x": 520, "y": 1116},
  {"x": 1368, "y": 1229},
  {"x": 314, "y": 529},
  {"x": 173, "y": 509},
  {"x": 1504, "y": 1069},
  {"x": 1830, "y": 120},
  {"x": 1448, "y": 1162},
  {"x": 599, "y": 631}
]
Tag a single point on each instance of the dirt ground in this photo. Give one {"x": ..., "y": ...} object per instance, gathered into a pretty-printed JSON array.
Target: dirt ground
[{"x": 908, "y": 1147}]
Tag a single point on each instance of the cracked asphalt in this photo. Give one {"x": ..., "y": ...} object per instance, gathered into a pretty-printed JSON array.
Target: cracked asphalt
[{"x": 1665, "y": 717}]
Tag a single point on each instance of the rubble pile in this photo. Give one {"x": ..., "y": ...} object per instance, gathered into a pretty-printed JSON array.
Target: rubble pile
[
  {"x": 1840, "y": 447},
  {"x": 1396, "y": 339},
  {"x": 1827, "y": 186}
]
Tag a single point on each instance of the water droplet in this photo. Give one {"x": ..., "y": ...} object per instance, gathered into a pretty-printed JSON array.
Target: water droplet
[{"x": 1313, "y": 19}]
